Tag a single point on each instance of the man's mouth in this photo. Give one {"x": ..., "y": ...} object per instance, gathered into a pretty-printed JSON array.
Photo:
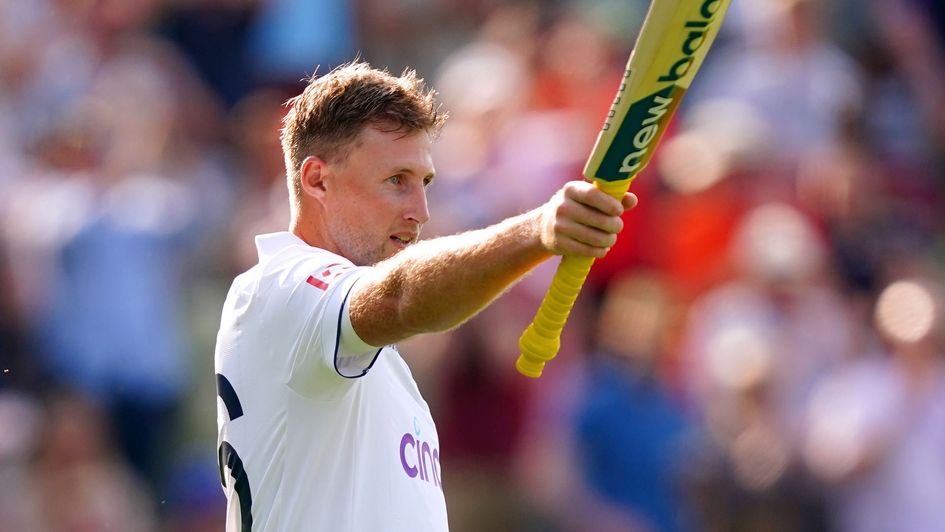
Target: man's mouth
[{"x": 403, "y": 240}]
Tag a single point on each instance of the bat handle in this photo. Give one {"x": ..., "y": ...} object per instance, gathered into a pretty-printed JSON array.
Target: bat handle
[{"x": 542, "y": 339}]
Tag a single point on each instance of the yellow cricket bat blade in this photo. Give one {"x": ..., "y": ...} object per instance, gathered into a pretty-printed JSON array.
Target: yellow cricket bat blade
[{"x": 671, "y": 47}]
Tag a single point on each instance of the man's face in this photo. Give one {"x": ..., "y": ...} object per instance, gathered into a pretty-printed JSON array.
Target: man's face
[{"x": 375, "y": 199}]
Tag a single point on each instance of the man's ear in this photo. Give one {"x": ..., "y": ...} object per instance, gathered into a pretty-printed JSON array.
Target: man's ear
[{"x": 312, "y": 175}]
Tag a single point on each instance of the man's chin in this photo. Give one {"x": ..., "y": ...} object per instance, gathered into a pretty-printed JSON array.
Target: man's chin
[
  {"x": 379, "y": 256},
  {"x": 370, "y": 258},
  {"x": 390, "y": 251}
]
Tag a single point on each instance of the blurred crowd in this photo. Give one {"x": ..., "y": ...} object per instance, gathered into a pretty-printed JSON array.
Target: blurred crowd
[{"x": 764, "y": 349}]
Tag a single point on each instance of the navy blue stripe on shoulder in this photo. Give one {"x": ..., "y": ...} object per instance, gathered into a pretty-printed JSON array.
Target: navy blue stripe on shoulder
[{"x": 338, "y": 342}]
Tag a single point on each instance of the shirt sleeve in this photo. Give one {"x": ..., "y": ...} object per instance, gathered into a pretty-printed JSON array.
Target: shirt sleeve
[{"x": 328, "y": 340}]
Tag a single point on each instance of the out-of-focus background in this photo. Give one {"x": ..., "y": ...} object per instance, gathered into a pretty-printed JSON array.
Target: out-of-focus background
[{"x": 763, "y": 349}]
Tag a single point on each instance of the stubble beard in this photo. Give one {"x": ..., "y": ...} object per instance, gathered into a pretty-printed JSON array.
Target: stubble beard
[{"x": 360, "y": 249}]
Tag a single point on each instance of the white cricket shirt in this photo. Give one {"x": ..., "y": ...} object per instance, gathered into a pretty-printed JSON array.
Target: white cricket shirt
[{"x": 318, "y": 431}]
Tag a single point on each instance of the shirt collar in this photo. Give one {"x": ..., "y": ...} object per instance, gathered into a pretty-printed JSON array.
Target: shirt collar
[{"x": 269, "y": 244}]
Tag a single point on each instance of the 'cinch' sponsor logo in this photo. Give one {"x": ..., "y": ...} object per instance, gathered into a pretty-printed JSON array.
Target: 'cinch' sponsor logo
[{"x": 420, "y": 459}]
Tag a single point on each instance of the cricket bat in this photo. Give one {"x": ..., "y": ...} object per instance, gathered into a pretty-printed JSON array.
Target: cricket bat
[{"x": 672, "y": 45}]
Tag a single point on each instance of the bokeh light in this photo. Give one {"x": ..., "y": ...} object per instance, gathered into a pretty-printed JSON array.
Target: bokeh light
[
  {"x": 739, "y": 357},
  {"x": 906, "y": 311}
]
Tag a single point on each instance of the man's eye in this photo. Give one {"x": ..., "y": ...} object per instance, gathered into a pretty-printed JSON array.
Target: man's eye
[
  {"x": 394, "y": 179},
  {"x": 427, "y": 181}
]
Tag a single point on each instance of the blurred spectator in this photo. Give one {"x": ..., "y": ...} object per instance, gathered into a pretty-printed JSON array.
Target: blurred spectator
[
  {"x": 790, "y": 74},
  {"x": 876, "y": 427},
  {"x": 81, "y": 482},
  {"x": 214, "y": 36},
  {"x": 15, "y": 369},
  {"x": 909, "y": 38},
  {"x": 484, "y": 85},
  {"x": 101, "y": 231},
  {"x": 779, "y": 319},
  {"x": 290, "y": 37},
  {"x": 482, "y": 405},
  {"x": 630, "y": 429},
  {"x": 21, "y": 419},
  {"x": 262, "y": 193},
  {"x": 753, "y": 349}
]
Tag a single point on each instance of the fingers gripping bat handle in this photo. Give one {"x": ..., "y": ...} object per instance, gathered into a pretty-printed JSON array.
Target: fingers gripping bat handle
[{"x": 542, "y": 339}]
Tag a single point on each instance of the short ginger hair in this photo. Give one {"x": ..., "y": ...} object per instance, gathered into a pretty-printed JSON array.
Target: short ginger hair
[{"x": 333, "y": 109}]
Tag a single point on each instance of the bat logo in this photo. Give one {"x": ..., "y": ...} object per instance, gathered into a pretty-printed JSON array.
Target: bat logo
[
  {"x": 640, "y": 130},
  {"x": 694, "y": 41},
  {"x": 643, "y": 121},
  {"x": 645, "y": 135}
]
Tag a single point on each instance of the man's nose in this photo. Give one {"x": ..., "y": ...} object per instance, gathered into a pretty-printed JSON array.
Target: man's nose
[{"x": 416, "y": 208}]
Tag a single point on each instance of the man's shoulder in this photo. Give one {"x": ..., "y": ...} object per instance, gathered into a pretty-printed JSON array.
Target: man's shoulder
[
  {"x": 295, "y": 263},
  {"x": 290, "y": 274},
  {"x": 279, "y": 249}
]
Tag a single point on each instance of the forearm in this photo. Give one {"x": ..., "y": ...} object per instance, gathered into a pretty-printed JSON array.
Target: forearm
[{"x": 437, "y": 284}]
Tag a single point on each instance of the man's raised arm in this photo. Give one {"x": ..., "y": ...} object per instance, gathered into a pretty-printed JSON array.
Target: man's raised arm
[{"x": 437, "y": 284}]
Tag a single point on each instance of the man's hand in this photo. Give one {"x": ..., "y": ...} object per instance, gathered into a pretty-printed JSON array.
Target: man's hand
[{"x": 580, "y": 219}]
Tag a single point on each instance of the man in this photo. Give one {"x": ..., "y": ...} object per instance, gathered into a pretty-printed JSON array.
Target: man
[{"x": 321, "y": 426}]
